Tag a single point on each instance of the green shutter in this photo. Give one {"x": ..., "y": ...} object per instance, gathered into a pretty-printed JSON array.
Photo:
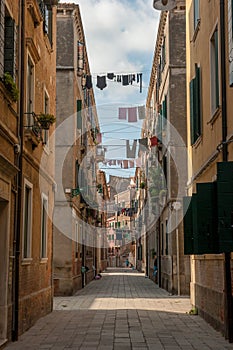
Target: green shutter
[
  {"x": 79, "y": 114},
  {"x": 164, "y": 113},
  {"x": 197, "y": 103},
  {"x": 216, "y": 68},
  {"x": 206, "y": 240},
  {"x": 192, "y": 117},
  {"x": 188, "y": 203},
  {"x": 9, "y": 46},
  {"x": 225, "y": 206}
]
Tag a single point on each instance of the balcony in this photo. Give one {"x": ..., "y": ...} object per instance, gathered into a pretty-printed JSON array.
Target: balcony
[{"x": 33, "y": 130}]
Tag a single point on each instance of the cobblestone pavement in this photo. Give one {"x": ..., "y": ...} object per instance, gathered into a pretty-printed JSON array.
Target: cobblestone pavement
[{"x": 124, "y": 310}]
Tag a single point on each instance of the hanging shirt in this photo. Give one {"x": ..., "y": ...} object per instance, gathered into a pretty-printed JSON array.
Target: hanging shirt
[
  {"x": 132, "y": 114},
  {"x": 110, "y": 76},
  {"x": 88, "y": 82},
  {"x": 153, "y": 141},
  {"x": 131, "y": 152},
  {"x": 143, "y": 144},
  {"x": 122, "y": 113},
  {"x": 141, "y": 112},
  {"x": 125, "y": 80},
  {"x": 101, "y": 82}
]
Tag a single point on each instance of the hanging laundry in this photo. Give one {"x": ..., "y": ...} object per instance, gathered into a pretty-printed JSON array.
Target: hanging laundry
[
  {"x": 125, "y": 164},
  {"x": 114, "y": 162},
  {"x": 119, "y": 78},
  {"x": 122, "y": 113},
  {"x": 110, "y": 76},
  {"x": 153, "y": 141},
  {"x": 139, "y": 162},
  {"x": 131, "y": 164},
  {"x": 131, "y": 152},
  {"x": 141, "y": 112},
  {"x": 101, "y": 82},
  {"x": 125, "y": 80},
  {"x": 140, "y": 81},
  {"x": 88, "y": 82},
  {"x": 99, "y": 138},
  {"x": 119, "y": 162},
  {"x": 132, "y": 114},
  {"x": 143, "y": 145}
]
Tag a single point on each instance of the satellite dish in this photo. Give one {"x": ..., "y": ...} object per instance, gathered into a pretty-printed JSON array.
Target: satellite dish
[{"x": 164, "y": 5}]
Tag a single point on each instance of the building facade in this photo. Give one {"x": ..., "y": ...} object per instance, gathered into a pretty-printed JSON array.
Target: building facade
[
  {"x": 76, "y": 205},
  {"x": 167, "y": 176},
  {"x": 210, "y": 126},
  {"x": 28, "y": 89}
]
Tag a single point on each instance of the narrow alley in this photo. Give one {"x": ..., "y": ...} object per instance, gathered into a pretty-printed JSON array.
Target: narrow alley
[{"x": 123, "y": 310}]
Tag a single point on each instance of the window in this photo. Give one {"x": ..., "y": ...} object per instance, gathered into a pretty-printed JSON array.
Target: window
[
  {"x": 195, "y": 106},
  {"x": 9, "y": 45},
  {"x": 27, "y": 220},
  {"x": 79, "y": 114},
  {"x": 214, "y": 66},
  {"x": 46, "y": 111},
  {"x": 196, "y": 13},
  {"x": 30, "y": 91},
  {"x": 76, "y": 239},
  {"x": 44, "y": 223},
  {"x": 163, "y": 54}
]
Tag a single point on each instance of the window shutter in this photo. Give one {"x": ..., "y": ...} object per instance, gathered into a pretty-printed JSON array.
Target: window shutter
[
  {"x": 2, "y": 14},
  {"x": 225, "y": 205},
  {"x": 9, "y": 46},
  {"x": 188, "y": 203},
  {"x": 192, "y": 120},
  {"x": 164, "y": 112},
  {"x": 79, "y": 114},
  {"x": 216, "y": 68},
  {"x": 50, "y": 26},
  {"x": 197, "y": 112},
  {"x": 205, "y": 238}
]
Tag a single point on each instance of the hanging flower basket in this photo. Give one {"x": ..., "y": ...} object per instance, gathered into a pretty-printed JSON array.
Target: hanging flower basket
[{"x": 45, "y": 120}]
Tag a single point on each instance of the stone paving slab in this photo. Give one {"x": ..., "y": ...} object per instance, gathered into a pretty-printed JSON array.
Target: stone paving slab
[{"x": 125, "y": 311}]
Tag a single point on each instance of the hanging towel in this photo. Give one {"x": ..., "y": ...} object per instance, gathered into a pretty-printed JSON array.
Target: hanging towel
[
  {"x": 88, "y": 82},
  {"x": 101, "y": 82},
  {"x": 131, "y": 164},
  {"x": 131, "y": 152},
  {"x": 132, "y": 114},
  {"x": 153, "y": 141},
  {"x": 99, "y": 137},
  {"x": 125, "y": 164},
  {"x": 138, "y": 162},
  {"x": 122, "y": 113},
  {"x": 143, "y": 144},
  {"x": 141, "y": 112},
  {"x": 125, "y": 80},
  {"x": 110, "y": 76}
]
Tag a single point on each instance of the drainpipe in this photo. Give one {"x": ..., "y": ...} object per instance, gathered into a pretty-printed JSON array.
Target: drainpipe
[
  {"x": 227, "y": 263},
  {"x": 15, "y": 322}
]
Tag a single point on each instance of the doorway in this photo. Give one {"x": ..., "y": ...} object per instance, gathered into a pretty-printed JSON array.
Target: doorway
[{"x": 4, "y": 263}]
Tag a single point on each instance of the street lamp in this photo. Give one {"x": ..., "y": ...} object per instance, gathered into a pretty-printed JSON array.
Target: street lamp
[{"x": 164, "y": 5}]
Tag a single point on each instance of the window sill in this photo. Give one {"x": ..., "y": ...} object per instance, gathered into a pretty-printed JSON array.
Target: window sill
[
  {"x": 43, "y": 260},
  {"x": 215, "y": 116},
  {"x": 26, "y": 261}
]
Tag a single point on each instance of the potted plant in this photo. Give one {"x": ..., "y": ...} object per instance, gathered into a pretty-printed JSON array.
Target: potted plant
[
  {"x": 142, "y": 185},
  {"x": 10, "y": 85},
  {"x": 45, "y": 120}
]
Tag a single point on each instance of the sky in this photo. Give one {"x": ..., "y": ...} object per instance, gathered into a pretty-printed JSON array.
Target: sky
[{"x": 120, "y": 38}]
